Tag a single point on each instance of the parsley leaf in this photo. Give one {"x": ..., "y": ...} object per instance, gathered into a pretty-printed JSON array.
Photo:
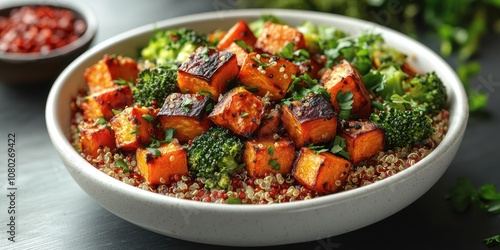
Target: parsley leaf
[
  {"x": 122, "y": 164},
  {"x": 273, "y": 163},
  {"x": 339, "y": 146},
  {"x": 154, "y": 151},
  {"x": 345, "y": 102}
]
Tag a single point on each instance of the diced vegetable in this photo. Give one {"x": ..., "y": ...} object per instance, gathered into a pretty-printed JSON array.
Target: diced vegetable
[
  {"x": 265, "y": 156},
  {"x": 274, "y": 37},
  {"x": 322, "y": 172},
  {"x": 103, "y": 74},
  {"x": 207, "y": 70},
  {"x": 272, "y": 75},
  {"x": 239, "y": 31},
  {"x": 363, "y": 138},
  {"x": 186, "y": 114},
  {"x": 311, "y": 120},
  {"x": 240, "y": 111},
  {"x": 160, "y": 165},
  {"x": 271, "y": 123},
  {"x": 94, "y": 137},
  {"x": 345, "y": 77},
  {"x": 102, "y": 103},
  {"x": 134, "y": 127}
]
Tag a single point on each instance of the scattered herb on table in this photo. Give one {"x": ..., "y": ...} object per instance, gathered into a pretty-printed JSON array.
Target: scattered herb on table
[{"x": 464, "y": 195}]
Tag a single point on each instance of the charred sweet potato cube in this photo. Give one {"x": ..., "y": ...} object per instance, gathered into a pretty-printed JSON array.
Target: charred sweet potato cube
[
  {"x": 94, "y": 137},
  {"x": 274, "y": 37},
  {"x": 207, "y": 70},
  {"x": 102, "y": 103},
  {"x": 133, "y": 127},
  {"x": 363, "y": 138},
  {"x": 311, "y": 120},
  {"x": 240, "y": 111},
  {"x": 239, "y": 31},
  {"x": 103, "y": 74},
  {"x": 323, "y": 172},
  {"x": 345, "y": 77},
  {"x": 270, "y": 124},
  {"x": 159, "y": 165},
  {"x": 187, "y": 114},
  {"x": 272, "y": 75},
  {"x": 265, "y": 156}
]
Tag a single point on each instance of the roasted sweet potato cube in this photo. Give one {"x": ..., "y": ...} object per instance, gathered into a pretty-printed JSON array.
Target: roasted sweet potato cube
[
  {"x": 207, "y": 70},
  {"x": 240, "y": 53},
  {"x": 323, "y": 172},
  {"x": 272, "y": 76},
  {"x": 103, "y": 74},
  {"x": 186, "y": 114},
  {"x": 363, "y": 138},
  {"x": 94, "y": 137},
  {"x": 265, "y": 156},
  {"x": 240, "y": 111},
  {"x": 239, "y": 31},
  {"x": 311, "y": 120},
  {"x": 133, "y": 127},
  {"x": 270, "y": 124},
  {"x": 345, "y": 77},
  {"x": 274, "y": 37},
  {"x": 160, "y": 165},
  {"x": 102, "y": 103}
]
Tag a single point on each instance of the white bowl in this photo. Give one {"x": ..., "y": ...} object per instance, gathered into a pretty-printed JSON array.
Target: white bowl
[{"x": 255, "y": 225}]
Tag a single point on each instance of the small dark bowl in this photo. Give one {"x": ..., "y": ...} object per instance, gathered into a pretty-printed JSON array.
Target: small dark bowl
[{"x": 36, "y": 68}]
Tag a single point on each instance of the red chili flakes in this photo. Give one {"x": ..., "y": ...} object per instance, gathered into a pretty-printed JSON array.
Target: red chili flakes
[{"x": 39, "y": 29}]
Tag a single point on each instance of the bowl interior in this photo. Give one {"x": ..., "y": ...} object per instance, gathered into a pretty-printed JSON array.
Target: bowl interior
[{"x": 269, "y": 224}]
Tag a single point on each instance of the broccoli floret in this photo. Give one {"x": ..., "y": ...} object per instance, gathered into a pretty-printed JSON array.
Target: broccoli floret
[
  {"x": 402, "y": 125},
  {"x": 386, "y": 81},
  {"x": 155, "y": 84},
  {"x": 214, "y": 155},
  {"x": 173, "y": 45},
  {"x": 427, "y": 89}
]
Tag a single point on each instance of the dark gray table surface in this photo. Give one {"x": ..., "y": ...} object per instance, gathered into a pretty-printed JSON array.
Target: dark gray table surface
[{"x": 52, "y": 212}]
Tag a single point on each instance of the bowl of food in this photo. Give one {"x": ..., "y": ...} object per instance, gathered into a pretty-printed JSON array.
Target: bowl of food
[
  {"x": 257, "y": 127},
  {"x": 37, "y": 41}
]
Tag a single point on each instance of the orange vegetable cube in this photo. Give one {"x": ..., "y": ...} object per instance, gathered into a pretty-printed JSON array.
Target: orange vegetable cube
[
  {"x": 274, "y": 37},
  {"x": 264, "y": 156},
  {"x": 270, "y": 124},
  {"x": 345, "y": 77},
  {"x": 103, "y": 74},
  {"x": 240, "y": 111},
  {"x": 323, "y": 172},
  {"x": 134, "y": 127},
  {"x": 102, "y": 103},
  {"x": 94, "y": 137},
  {"x": 311, "y": 120},
  {"x": 187, "y": 114},
  {"x": 163, "y": 164},
  {"x": 240, "y": 53},
  {"x": 272, "y": 76},
  {"x": 207, "y": 70},
  {"x": 239, "y": 31},
  {"x": 363, "y": 138}
]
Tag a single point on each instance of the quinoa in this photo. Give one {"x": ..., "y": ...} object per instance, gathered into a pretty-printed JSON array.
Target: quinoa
[{"x": 273, "y": 188}]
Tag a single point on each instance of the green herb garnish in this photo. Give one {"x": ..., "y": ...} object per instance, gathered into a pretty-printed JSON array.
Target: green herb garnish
[
  {"x": 273, "y": 163},
  {"x": 148, "y": 118},
  {"x": 339, "y": 146},
  {"x": 122, "y": 164}
]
